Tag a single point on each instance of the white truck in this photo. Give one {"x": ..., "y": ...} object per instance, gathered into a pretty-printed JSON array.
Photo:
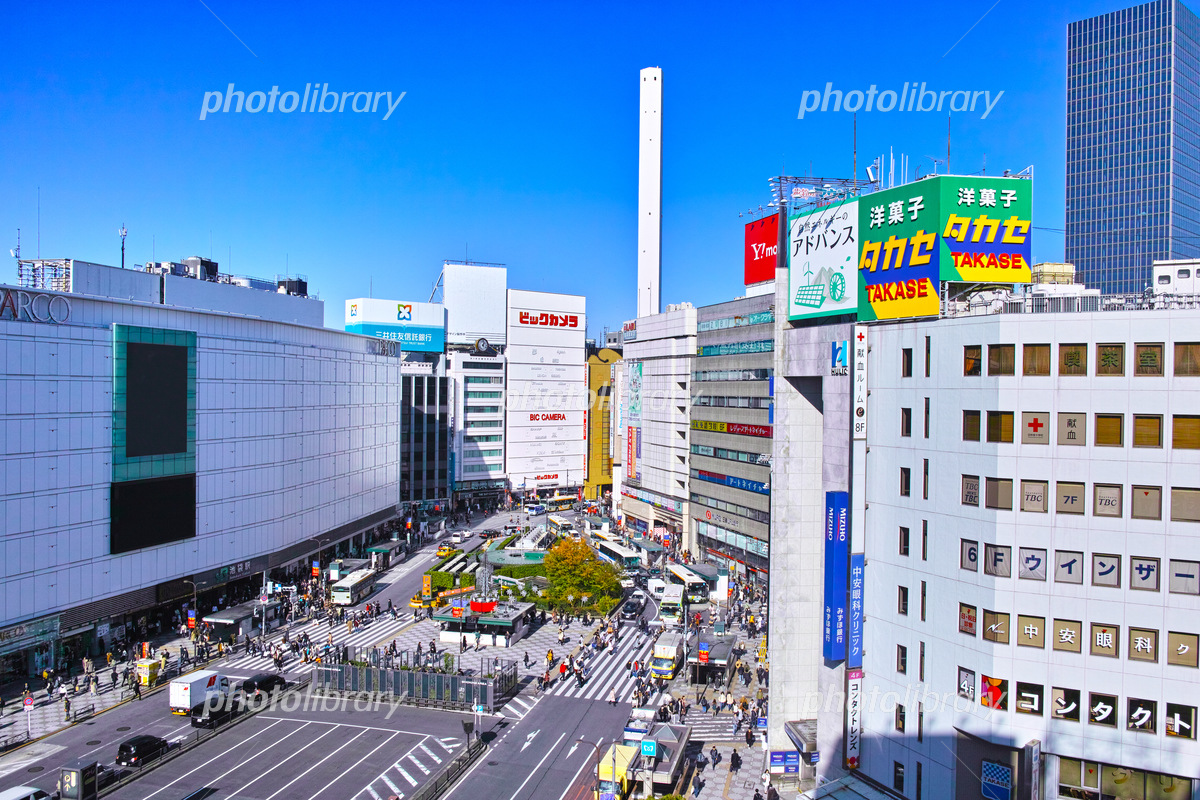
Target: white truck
[{"x": 196, "y": 688}]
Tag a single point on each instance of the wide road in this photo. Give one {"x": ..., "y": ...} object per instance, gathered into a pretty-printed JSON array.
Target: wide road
[{"x": 539, "y": 757}]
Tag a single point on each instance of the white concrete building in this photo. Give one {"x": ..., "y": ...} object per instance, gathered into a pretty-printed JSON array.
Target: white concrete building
[
  {"x": 656, "y": 411},
  {"x": 147, "y": 443}
]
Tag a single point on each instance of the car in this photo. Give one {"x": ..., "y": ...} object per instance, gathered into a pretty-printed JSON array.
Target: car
[
  {"x": 24, "y": 793},
  {"x": 491, "y": 533},
  {"x": 210, "y": 715},
  {"x": 444, "y": 550},
  {"x": 140, "y": 750},
  {"x": 632, "y": 609},
  {"x": 263, "y": 683}
]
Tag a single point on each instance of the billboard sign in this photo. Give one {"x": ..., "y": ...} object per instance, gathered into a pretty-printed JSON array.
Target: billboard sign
[
  {"x": 762, "y": 249},
  {"x": 837, "y": 509},
  {"x": 419, "y": 327},
  {"x": 854, "y": 647},
  {"x": 823, "y": 262},
  {"x": 948, "y": 228},
  {"x": 854, "y": 718}
]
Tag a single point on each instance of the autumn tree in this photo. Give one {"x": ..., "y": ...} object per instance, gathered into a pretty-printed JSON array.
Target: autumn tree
[{"x": 574, "y": 570}]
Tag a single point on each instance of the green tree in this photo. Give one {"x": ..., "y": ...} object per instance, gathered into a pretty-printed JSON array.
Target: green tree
[{"x": 574, "y": 570}]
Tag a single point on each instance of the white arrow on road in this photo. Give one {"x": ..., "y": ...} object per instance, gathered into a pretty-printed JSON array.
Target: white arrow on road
[
  {"x": 529, "y": 739},
  {"x": 572, "y": 750}
]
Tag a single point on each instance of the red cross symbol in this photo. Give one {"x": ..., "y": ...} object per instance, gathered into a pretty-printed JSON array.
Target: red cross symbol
[
  {"x": 861, "y": 336},
  {"x": 1037, "y": 425}
]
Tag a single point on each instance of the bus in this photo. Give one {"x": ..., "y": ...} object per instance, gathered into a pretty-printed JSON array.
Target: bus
[
  {"x": 670, "y": 606},
  {"x": 560, "y": 503},
  {"x": 621, "y": 557},
  {"x": 695, "y": 588},
  {"x": 354, "y": 587},
  {"x": 560, "y": 525}
]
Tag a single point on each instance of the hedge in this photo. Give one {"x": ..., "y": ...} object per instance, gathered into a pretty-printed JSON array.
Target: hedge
[{"x": 522, "y": 571}]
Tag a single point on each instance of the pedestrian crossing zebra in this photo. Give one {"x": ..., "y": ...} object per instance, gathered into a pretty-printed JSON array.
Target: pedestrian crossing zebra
[
  {"x": 607, "y": 672},
  {"x": 382, "y": 628}
]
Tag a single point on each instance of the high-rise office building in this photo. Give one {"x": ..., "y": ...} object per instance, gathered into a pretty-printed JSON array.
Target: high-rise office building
[{"x": 1133, "y": 162}]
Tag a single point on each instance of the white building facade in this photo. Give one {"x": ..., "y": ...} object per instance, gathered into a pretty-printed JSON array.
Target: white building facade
[{"x": 146, "y": 445}]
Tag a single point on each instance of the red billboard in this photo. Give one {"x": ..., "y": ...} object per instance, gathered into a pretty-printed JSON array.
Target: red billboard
[{"x": 762, "y": 249}]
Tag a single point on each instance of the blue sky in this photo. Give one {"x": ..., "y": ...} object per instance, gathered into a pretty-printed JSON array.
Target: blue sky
[{"x": 515, "y": 141}]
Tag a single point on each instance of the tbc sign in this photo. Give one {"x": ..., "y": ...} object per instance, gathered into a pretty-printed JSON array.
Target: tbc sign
[{"x": 34, "y": 307}]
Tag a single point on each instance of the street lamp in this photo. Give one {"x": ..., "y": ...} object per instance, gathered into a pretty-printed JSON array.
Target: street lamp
[{"x": 596, "y": 751}]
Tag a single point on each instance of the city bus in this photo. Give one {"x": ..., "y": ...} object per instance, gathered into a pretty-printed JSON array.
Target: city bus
[
  {"x": 695, "y": 588},
  {"x": 621, "y": 557},
  {"x": 354, "y": 587},
  {"x": 670, "y": 606},
  {"x": 560, "y": 525},
  {"x": 560, "y": 503}
]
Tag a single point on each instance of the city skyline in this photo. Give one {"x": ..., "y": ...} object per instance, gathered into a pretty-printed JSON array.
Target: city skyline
[{"x": 528, "y": 160}]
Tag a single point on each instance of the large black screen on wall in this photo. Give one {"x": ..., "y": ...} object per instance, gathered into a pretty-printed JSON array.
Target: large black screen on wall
[
  {"x": 152, "y": 512},
  {"x": 155, "y": 399}
]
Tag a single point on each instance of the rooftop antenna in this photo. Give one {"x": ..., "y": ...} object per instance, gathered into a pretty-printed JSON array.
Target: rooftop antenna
[
  {"x": 948, "y": 142},
  {"x": 39, "y": 236},
  {"x": 153, "y": 247},
  {"x": 854, "y": 171},
  {"x": 122, "y": 233},
  {"x": 16, "y": 253}
]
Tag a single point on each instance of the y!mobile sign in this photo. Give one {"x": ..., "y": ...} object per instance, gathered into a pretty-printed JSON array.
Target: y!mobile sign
[
  {"x": 762, "y": 249},
  {"x": 837, "y": 509}
]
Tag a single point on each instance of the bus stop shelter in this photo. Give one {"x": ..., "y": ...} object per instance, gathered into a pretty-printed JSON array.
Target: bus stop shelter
[
  {"x": 648, "y": 549},
  {"x": 499, "y": 624},
  {"x": 385, "y": 554},
  {"x": 244, "y": 619}
]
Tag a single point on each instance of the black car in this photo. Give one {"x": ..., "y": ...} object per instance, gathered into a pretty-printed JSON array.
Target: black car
[
  {"x": 214, "y": 713},
  {"x": 264, "y": 683},
  {"x": 140, "y": 750},
  {"x": 632, "y": 609}
]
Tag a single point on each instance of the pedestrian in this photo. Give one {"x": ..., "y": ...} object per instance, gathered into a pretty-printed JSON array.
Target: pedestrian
[
  {"x": 697, "y": 785},
  {"x": 612, "y": 697},
  {"x": 749, "y": 736},
  {"x": 735, "y": 761},
  {"x": 715, "y": 755},
  {"x": 137, "y": 691}
]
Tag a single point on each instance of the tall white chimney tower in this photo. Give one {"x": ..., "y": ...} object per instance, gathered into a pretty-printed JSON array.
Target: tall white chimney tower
[{"x": 649, "y": 268}]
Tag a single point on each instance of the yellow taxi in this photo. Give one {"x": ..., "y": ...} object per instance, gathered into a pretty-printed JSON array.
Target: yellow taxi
[{"x": 444, "y": 550}]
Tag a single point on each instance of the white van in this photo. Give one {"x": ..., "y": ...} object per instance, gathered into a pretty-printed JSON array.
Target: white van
[{"x": 656, "y": 587}]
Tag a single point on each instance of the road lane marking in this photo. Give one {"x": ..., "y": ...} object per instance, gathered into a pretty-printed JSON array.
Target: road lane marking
[
  {"x": 539, "y": 766},
  {"x": 263, "y": 773},
  {"x": 575, "y": 777},
  {"x": 393, "y": 786},
  {"x": 355, "y": 764},
  {"x": 374, "y": 793},
  {"x": 346, "y": 725},
  {"x": 448, "y": 747},
  {"x": 214, "y": 758},
  {"x": 319, "y": 763},
  {"x": 430, "y": 753},
  {"x": 421, "y": 766}
]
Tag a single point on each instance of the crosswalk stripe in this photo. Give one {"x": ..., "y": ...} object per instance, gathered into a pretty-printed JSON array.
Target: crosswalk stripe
[
  {"x": 393, "y": 786},
  {"x": 373, "y": 793},
  {"x": 449, "y": 747},
  {"x": 407, "y": 777},
  {"x": 430, "y": 753},
  {"x": 420, "y": 766}
]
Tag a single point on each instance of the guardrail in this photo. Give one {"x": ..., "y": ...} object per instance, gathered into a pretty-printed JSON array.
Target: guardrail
[{"x": 451, "y": 772}]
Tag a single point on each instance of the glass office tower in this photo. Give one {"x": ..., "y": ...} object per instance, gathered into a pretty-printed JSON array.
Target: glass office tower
[{"x": 1133, "y": 161}]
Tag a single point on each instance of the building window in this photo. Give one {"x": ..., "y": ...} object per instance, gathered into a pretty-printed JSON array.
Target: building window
[
  {"x": 927, "y": 355},
  {"x": 1185, "y": 432},
  {"x": 1147, "y": 502},
  {"x": 926, "y": 417},
  {"x": 902, "y": 600},
  {"x": 972, "y": 359},
  {"x": 906, "y": 422},
  {"x": 970, "y": 490},
  {"x": 925, "y": 479},
  {"x": 1187, "y": 359},
  {"x": 1106, "y": 500},
  {"x": 1033, "y": 496},
  {"x": 1185, "y": 504},
  {"x": 1070, "y": 497},
  {"x": 1149, "y": 360},
  {"x": 924, "y": 591},
  {"x": 998, "y": 493},
  {"x": 1072, "y": 428},
  {"x": 1110, "y": 359},
  {"x": 899, "y": 717},
  {"x": 898, "y": 776},
  {"x": 1002, "y": 359},
  {"x": 906, "y": 362},
  {"x": 1036, "y": 360},
  {"x": 901, "y": 659},
  {"x": 966, "y": 619},
  {"x": 1147, "y": 430},
  {"x": 924, "y": 540},
  {"x": 970, "y": 426},
  {"x": 921, "y": 663},
  {"x": 905, "y": 481},
  {"x": 1184, "y": 577},
  {"x": 1072, "y": 359},
  {"x": 968, "y": 555},
  {"x": 920, "y": 738},
  {"x": 999, "y": 426},
  {"x": 1109, "y": 431},
  {"x": 903, "y": 541}
]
